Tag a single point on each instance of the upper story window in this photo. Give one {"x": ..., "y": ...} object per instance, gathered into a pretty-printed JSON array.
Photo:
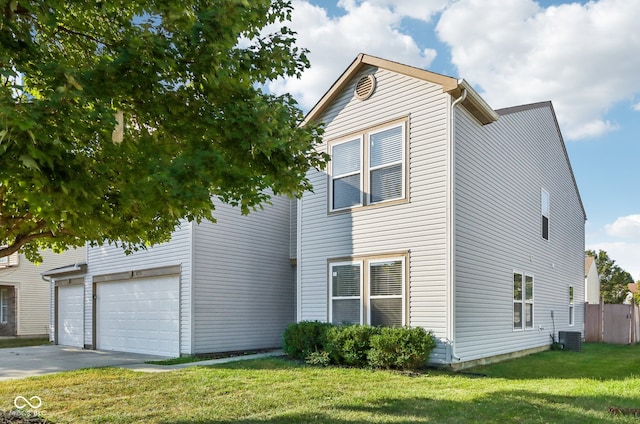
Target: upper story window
[
  {"x": 545, "y": 214},
  {"x": 7, "y": 261},
  {"x": 368, "y": 168},
  {"x": 346, "y": 181}
]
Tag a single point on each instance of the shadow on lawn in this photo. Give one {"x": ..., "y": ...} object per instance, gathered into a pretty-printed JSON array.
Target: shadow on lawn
[{"x": 499, "y": 407}]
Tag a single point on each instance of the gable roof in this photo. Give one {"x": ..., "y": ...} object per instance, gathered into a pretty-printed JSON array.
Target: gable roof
[
  {"x": 455, "y": 87},
  {"x": 588, "y": 262},
  {"x": 549, "y": 105}
]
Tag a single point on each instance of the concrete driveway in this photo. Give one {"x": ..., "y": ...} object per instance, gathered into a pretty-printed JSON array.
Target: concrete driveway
[{"x": 20, "y": 362}]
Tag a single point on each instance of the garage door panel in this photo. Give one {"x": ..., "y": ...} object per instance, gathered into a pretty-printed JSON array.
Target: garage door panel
[
  {"x": 140, "y": 316},
  {"x": 70, "y": 311}
]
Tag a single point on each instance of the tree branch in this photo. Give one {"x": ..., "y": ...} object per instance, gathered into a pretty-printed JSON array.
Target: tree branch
[
  {"x": 23, "y": 239},
  {"x": 17, "y": 222},
  {"x": 81, "y": 34}
]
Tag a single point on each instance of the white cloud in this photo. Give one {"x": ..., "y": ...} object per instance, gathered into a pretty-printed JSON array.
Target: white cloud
[
  {"x": 625, "y": 227},
  {"x": 423, "y": 11},
  {"x": 582, "y": 57},
  {"x": 626, "y": 255},
  {"x": 370, "y": 27}
]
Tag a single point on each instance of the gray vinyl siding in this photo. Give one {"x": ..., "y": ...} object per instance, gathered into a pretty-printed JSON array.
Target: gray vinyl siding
[
  {"x": 244, "y": 293},
  {"x": 418, "y": 226},
  {"x": 501, "y": 169},
  {"x": 110, "y": 259}
]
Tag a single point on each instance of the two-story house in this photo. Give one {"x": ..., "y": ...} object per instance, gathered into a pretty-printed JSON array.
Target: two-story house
[{"x": 437, "y": 211}]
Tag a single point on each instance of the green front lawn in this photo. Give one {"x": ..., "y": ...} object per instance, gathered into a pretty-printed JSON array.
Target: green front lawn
[
  {"x": 23, "y": 341},
  {"x": 547, "y": 387}
]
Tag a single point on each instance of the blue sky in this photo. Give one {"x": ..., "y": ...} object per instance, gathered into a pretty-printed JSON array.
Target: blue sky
[{"x": 583, "y": 56}]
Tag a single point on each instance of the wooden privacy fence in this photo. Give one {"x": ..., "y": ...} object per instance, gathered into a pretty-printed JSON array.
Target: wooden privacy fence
[{"x": 608, "y": 323}]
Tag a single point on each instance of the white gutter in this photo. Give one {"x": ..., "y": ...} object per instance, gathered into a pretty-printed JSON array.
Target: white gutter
[
  {"x": 77, "y": 268},
  {"x": 451, "y": 309}
]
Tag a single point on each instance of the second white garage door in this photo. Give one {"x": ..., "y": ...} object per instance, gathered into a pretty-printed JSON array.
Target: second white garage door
[{"x": 139, "y": 316}]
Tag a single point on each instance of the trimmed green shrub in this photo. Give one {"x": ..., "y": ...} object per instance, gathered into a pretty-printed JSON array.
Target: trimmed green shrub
[
  {"x": 302, "y": 338},
  {"x": 349, "y": 344},
  {"x": 321, "y": 343},
  {"x": 318, "y": 358},
  {"x": 401, "y": 348}
]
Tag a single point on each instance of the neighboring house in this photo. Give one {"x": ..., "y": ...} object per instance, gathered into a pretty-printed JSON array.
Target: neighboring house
[
  {"x": 24, "y": 296},
  {"x": 220, "y": 287},
  {"x": 633, "y": 289},
  {"x": 437, "y": 211},
  {"x": 591, "y": 280}
]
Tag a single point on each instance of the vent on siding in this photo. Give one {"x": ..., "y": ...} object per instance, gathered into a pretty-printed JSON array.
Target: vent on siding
[{"x": 365, "y": 86}]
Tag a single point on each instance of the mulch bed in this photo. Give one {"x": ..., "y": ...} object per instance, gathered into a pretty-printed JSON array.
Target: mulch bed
[{"x": 21, "y": 417}]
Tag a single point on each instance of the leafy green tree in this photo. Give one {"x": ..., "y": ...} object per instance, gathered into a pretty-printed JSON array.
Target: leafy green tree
[
  {"x": 636, "y": 295},
  {"x": 119, "y": 118},
  {"x": 614, "y": 281}
]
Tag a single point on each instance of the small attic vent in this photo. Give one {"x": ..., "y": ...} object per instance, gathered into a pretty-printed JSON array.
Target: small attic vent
[{"x": 365, "y": 86}]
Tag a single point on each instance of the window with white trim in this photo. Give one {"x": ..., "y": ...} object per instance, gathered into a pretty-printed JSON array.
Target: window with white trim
[
  {"x": 522, "y": 301},
  {"x": 368, "y": 168},
  {"x": 346, "y": 286},
  {"x": 370, "y": 291},
  {"x": 7, "y": 261},
  {"x": 571, "y": 308},
  {"x": 544, "y": 203},
  {"x": 346, "y": 181},
  {"x": 4, "y": 306}
]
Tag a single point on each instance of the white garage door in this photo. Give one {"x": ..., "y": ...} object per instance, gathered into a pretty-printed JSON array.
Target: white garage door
[
  {"x": 70, "y": 331},
  {"x": 139, "y": 316}
]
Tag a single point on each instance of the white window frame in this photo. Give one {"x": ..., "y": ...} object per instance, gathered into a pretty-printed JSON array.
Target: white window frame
[
  {"x": 545, "y": 212},
  {"x": 4, "y": 305},
  {"x": 401, "y": 296},
  {"x": 517, "y": 301},
  {"x": 386, "y": 165},
  {"x": 8, "y": 261},
  {"x": 365, "y": 283},
  {"x": 332, "y": 297},
  {"x": 572, "y": 309},
  {"x": 366, "y": 168},
  {"x": 529, "y": 302},
  {"x": 335, "y": 177},
  {"x": 523, "y": 301}
]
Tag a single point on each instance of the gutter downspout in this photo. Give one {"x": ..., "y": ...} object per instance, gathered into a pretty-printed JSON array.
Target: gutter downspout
[
  {"x": 452, "y": 251},
  {"x": 299, "y": 259}
]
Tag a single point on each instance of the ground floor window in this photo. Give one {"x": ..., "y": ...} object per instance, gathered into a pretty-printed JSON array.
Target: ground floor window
[
  {"x": 368, "y": 290},
  {"x": 571, "y": 309},
  {"x": 4, "y": 306},
  {"x": 522, "y": 301}
]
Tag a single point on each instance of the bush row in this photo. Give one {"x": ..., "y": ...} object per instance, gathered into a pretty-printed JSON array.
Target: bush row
[{"x": 321, "y": 343}]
